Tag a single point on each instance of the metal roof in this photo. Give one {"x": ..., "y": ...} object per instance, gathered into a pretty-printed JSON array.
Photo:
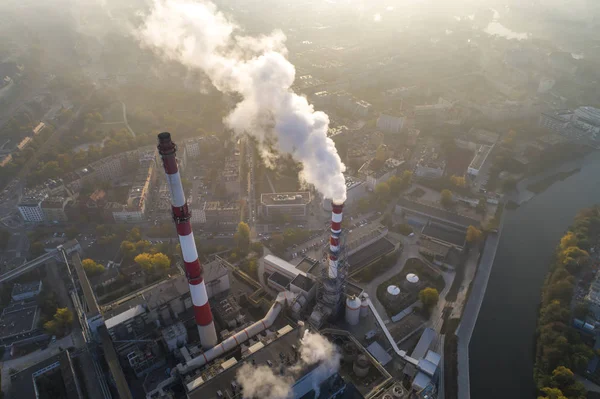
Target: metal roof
[
  {"x": 379, "y": 353},
  {"x": 123, "y": 317}
]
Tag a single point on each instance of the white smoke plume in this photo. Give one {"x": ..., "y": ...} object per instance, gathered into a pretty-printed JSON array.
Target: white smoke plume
[
  {"x": 199, "y": 36},
  {"x": 263, "y": 383},
  {"x": 260, "y": 382}
]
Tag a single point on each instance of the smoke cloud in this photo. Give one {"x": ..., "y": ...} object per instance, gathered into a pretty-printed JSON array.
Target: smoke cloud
[
  {"x": 261, "y": 382},
  {"x": 255, "y": 68}
]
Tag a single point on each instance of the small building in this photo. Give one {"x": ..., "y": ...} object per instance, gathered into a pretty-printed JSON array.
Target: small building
[
  {"x": 18, "y": 323},
  {"x": 222, "y": 214},
  {"x": 54, "y": 209},
  {"x": 390, "y": 123},
  {"x": 31, "y": 209},
  {"x": 174, "y": 336},
  {"x": 478, "y": 160},
  {"x": 293, "y": 205},
  {"x": 278, "y": 281},
  {"x": 272, "y": 264},
  {"x": 21, "y": 292}
]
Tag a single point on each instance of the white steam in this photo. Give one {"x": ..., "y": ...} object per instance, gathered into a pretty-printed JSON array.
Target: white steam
[
  {"x": 260, "y": 382},
  {"x": 263, "y": 383},
  {"x": 199, "y": 36}
]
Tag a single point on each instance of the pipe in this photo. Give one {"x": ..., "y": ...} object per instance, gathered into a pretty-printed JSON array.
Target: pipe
[
  {"x": 283, "y": 298},
  {"x": 334, "y": 241},
  {"x": 193, "y": 269}
]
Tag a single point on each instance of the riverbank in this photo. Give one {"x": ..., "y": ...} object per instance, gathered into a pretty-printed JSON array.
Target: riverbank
[
  {"x": 501, "y": 351},
  {"x": 560, "y": 349}
]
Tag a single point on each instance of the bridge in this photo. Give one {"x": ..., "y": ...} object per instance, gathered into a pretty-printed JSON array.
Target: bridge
[{"x": 69, "y": 247}]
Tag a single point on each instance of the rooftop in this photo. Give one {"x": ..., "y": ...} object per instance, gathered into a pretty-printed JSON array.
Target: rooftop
[
  {"x": 437, "y": 213},
  {"x": 18, "y": 319},
  {"x": 480, "y": 157},
  {"x": 450, "y": 236},
  {"x": 303, "y": 282},
  {"x": 19, "y": 289},
  {"x": 299, "y": 198},
  {"x": 280, "y": 279},
  {"x": 370, "y": 253},
  {"x": 123, "y": 317}
]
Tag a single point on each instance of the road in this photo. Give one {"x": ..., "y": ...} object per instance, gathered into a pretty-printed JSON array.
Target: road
[
  {"x": 125, "y": 119},
  {"x": 471, "y": 312}
]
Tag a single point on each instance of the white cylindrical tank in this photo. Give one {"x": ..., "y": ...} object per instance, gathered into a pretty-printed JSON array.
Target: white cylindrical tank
[
  {"x": 364, "y": 305},
  {"x": 352, "y": 310}
]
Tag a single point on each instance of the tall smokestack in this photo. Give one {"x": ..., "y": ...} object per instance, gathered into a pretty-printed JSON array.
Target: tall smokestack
[
  {"x": 334, "y": 241},
  {"x": 193, "y": 268}
]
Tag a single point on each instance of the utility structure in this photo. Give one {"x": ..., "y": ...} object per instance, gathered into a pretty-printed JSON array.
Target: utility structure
[
  {"x": 181, "y": 216},
  {"x": 334, "y": 272}
]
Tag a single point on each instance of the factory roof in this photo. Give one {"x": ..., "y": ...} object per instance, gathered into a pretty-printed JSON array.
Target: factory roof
[
  {"x": 214, "y": 270},
  {"x": 423, "y": 345},
  {"x": 18, "y": 319},
  {"x": 433, "y": 357},
  {"x": 370, "y": 253},
  {"x": 436, "y": 213},
  {"x": 306, "y": 264},
  {"x": 154, "y": 296},
  {"x": 288, "y": 267},
  {"x": 421, "y": 381},
  {"x": 449, "y": 236},
  {"x": 379, "y": 353},
  {"x": 303, "y": 282},
  {"x": 280, "y": 279},
  {"x": 281, "y": 199},
  {"x": 280, "y": 352},
  {"x": 123, "y": 317}
]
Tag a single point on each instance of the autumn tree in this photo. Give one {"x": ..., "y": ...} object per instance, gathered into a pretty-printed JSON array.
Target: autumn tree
[
  {"x": 429, "y": 297},
  {"x": 92, "y": 268},
  {"x": 446, "y": 198},
  {"x": 134, "y": 235},
  {"x": 473, "y": 234},
  {"x": 552, "y": 393},
  {"x": 153, "y": 262},
  {"x": 60, "y": 323},
  {"x": 458, "y": 181}
]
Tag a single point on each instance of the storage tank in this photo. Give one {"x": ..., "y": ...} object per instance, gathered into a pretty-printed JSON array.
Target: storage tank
[
  {"x": 361, "y": 366},
  {"x": 364, "y": 305},
  {"x": 352, "y": 310},
  {"x": 348, "y": 352}
]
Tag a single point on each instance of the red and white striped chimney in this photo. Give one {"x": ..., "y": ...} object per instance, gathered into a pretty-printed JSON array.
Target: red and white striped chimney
[
  {"x": 334, "y": 241},
  {"x": 193, "y": 268}
]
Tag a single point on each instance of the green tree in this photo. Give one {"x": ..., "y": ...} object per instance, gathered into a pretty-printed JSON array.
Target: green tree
[
  {"x": 564, "y": 379},
  {"x": 446, "y": 198},
  {"x": 128, "y": 249},
  {"x": 429, "y": 297},
  {"x": 382, "y": 192},
  {"x": 37, "y": 249},
  {"x": 92, "y": 268},
  {"x": 481, "y": 206},
  {"x": 258, "y": 248},
  {"x": 242, "y": 237}
]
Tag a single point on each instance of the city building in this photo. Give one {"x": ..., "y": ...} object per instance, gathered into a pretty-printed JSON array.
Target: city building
[
  {"x": 418, "y": 215},
  {"x": 431, "y": 164},
  {"x": 21, "y": 292},
  {"x": 292, "y": 205},
  {"x": 143, "y": 182},
  {"x": 53, "y": 209},
  {"x": 225, "y": 215},
  {"x": 593, "y": 297},
  {"x": 478, "y": 160},
  {"x": 374, "y": 171},
  {"x": 390, "y": 123},
  {"x": 54, "y": 375},
  {"x": 230, "y": 175},
  {"x": 31, "y": 210},
  {"x": 18, "y": 324},
  {"x": 433, "y": 114}
]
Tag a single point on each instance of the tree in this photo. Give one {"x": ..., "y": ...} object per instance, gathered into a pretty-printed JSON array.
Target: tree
[
  {"x": 363, "y": 205},
  {"x": 568, "y": 240},
  {"x": 395, "y": 184},
  {"x": 429, "y": 297},
  {"x": 552, "y": 393},
  {"x": 446, "y": 198},
  {"x": 160, "y": 261},
  {"x": 481, "y": 206},
  {"x": 458, "y": 181},
  {"x": 60, "y": 323},
  {"x": 242, "y": 237},
  {"x": 564, "y": 380},
  {"x": 473, "y": 234},
  {"x": 92, "y": 268},
  {"x": 258, "y": 248},
  {"x": 134, "y": 235},
  {"x": 128, "y": 249},
  {"x": 382, "y": 191},
  {"x": 144, "y": 260}
]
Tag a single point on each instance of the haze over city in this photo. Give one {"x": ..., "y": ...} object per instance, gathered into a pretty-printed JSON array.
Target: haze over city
[{"x": 303, "y": 199}]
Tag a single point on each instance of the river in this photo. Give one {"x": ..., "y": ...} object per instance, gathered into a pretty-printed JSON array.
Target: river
[{"x": 502, "y": 346}]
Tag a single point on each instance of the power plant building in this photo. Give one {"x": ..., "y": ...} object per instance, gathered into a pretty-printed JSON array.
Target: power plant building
[{"x": 294, "y": 205}]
